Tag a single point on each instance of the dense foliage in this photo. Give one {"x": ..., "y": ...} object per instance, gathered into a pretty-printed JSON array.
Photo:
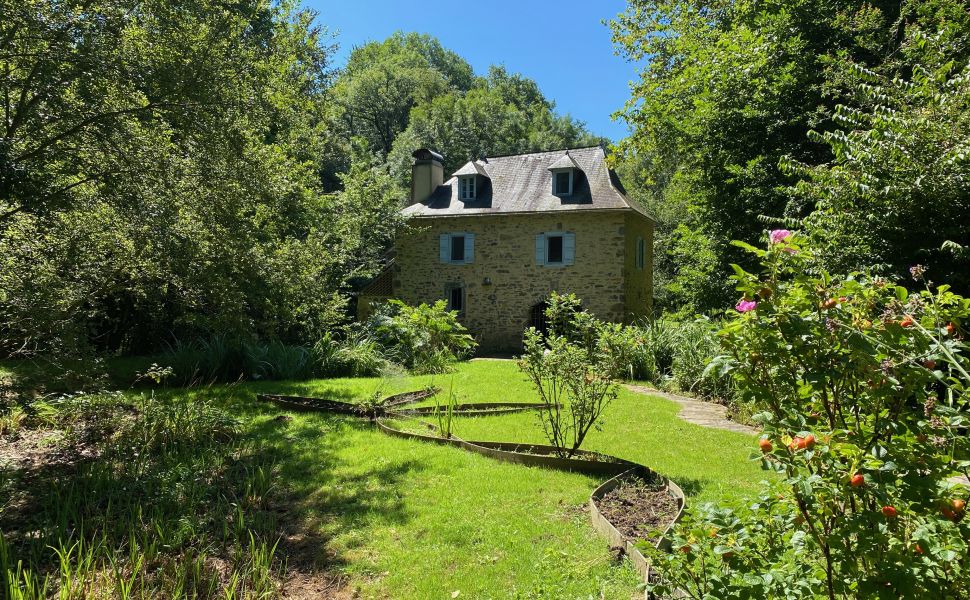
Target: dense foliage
[
  {"x": 427, "y": 338},
  {"x": 732, "y": 90},
  {"x": 862, "y": 388},
  {"x": 160, "y": 175},
  {"x": 199, "y": 171}
]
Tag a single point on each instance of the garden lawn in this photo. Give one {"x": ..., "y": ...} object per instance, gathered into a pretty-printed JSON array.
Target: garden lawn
[
  {"x": 395, "y": 518},
  {"x": 410, "y": 519}
]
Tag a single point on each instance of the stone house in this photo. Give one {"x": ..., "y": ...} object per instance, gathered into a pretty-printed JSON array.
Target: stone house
[{"x": 503, "y": 232}]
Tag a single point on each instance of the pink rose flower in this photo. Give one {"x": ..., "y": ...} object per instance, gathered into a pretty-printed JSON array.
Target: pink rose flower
[
  {"x": 746, "y": 306},
  {"x": 778, "y": 236}
]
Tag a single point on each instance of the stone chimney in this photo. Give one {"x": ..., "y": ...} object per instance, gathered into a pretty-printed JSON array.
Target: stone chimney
[{"x": 427, "y": 174}]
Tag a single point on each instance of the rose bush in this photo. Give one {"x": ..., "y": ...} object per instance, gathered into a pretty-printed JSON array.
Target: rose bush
[{"x": 861, "y": 389}]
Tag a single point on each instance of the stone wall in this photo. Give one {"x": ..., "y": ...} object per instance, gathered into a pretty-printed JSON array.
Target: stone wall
[
  {"x": 504, "y": 283},
  {"x": 638, "y": 281}
]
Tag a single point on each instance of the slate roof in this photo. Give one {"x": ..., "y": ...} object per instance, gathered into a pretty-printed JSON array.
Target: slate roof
[
  {"x": 564, "y": 162},
  {"x": 522, "y": 183},
  {"x": 472, "y": 168}
]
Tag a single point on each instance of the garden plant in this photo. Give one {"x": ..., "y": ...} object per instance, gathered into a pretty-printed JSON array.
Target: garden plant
[
  {"x": 574, "y": 369},
  {"x": 861, "y": 389}
]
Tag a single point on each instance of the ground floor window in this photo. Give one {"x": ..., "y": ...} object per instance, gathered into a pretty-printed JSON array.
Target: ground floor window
[
  {"x": 455, "y": 295},
  {"x": 538, "y": 319}
]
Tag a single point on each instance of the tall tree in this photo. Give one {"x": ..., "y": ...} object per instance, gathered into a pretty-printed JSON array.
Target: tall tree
[
  {"x": 502, "y": 114},
  {"x": 731, "y": 87},
  {"x": 162, "y": 167},
  {"x": 384, "y": 81}
]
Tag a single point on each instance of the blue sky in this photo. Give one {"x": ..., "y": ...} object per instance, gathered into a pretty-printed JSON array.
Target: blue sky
[{"x": 563, "y": 45}]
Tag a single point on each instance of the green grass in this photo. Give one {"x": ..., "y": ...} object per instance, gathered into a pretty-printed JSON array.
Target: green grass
[
  {"x": 479, "y": 526},
  {"x": 405, "y": 519},
  {"x": 711, "y": 465}
]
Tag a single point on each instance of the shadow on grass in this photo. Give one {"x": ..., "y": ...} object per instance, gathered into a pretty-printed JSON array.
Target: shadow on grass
[
  {"x": 172, "y": 472},
  {"x": 323, "y": 490}
]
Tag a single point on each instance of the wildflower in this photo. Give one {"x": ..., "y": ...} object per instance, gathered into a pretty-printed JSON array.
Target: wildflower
[
  {"x": 917, "y": 271},
  {"x": 778, "y": 236},
  {"x": 746, "y": 306}
]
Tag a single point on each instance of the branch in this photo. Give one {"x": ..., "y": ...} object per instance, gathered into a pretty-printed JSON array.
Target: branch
[{"x": 90, "y": 120}]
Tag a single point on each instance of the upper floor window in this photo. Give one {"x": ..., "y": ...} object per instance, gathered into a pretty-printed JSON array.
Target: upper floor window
[
  {"x": 456, "y": 248},
  {"x": 562, "y": 182},
  {"x": 466, "y": 187},
  {"x": 641, "y": 253},
  {"x": 555, "y": 249}
]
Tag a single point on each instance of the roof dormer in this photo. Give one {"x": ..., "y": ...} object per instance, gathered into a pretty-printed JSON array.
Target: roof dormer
[
  {"x": 471, "y": 179},
  {"x": 563, "y": 175}
]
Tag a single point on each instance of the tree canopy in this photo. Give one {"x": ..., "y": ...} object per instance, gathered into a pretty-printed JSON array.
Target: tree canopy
[
  {"x": 733, "y": 88},
  {"x": 179, "y": 169}
]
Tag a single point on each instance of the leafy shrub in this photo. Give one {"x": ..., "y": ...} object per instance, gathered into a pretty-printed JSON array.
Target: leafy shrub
[
  {"x": 695, "y": 346},
  {"x": 358, "y": 355},
  {"x": 225, "y": 359},
  {"x": 574, "y": 370},
  {"x": 862, "y": 392},
  {"x": 425, "y": 339},
  {"x": 677, "y": 355},
  {"x": 281, "y": 361},
  {"x": 654, "y": 350}
]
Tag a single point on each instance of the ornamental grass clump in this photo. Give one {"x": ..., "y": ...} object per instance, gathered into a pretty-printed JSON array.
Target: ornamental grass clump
[
  {"x": 574, "y": 369},
  {"x": 861, "y": 388}
]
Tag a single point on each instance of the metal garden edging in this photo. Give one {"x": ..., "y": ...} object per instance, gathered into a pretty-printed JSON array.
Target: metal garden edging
[{"x": 535, "y": 455}]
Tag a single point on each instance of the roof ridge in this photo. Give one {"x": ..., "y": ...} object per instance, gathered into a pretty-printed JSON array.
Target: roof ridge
[{"x": 546, "y": 151}]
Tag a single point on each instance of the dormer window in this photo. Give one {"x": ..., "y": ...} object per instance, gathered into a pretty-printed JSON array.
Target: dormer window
[
  {"x": 562, "y": 182},
  {"x": 466, "y": 187},
  {"x": 563, "y": 175}
]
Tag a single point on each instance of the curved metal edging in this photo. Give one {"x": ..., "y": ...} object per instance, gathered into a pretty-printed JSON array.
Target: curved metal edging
[
  {"x": 406, "y": 398},
  {"x": 307, "y": 404},
  {"x": 617, "y": 539},
  {"x": 475, "y": 408},
  {"x": 537, "y": 455},
  {"x": 544, "y": 456}
]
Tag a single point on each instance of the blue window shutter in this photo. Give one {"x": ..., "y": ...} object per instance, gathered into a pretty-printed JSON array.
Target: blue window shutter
[
  {"x": 541, "y": 249},
  {"x": 469, "y": 248},
  {"x": 444, "y": 247},
  {"x": 568, "y": 248}
]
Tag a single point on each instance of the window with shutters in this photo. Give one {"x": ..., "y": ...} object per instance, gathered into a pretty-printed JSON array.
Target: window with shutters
[
  {"x": 555, "y": 249},
  {"x": 457, "y": 248},
  {"x": 466, "y": 187}
]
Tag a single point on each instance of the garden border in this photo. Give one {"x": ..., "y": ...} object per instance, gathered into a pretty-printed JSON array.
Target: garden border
[{"x": 471, "y": 409}]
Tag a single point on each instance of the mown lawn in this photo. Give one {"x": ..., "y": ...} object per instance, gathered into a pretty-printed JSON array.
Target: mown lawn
[
  {"x": 409, "y": 519},
  {"x": 403, "y": 519}
]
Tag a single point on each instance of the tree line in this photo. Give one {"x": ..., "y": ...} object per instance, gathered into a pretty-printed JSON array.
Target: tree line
[{"x": 171, "y": 170}]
